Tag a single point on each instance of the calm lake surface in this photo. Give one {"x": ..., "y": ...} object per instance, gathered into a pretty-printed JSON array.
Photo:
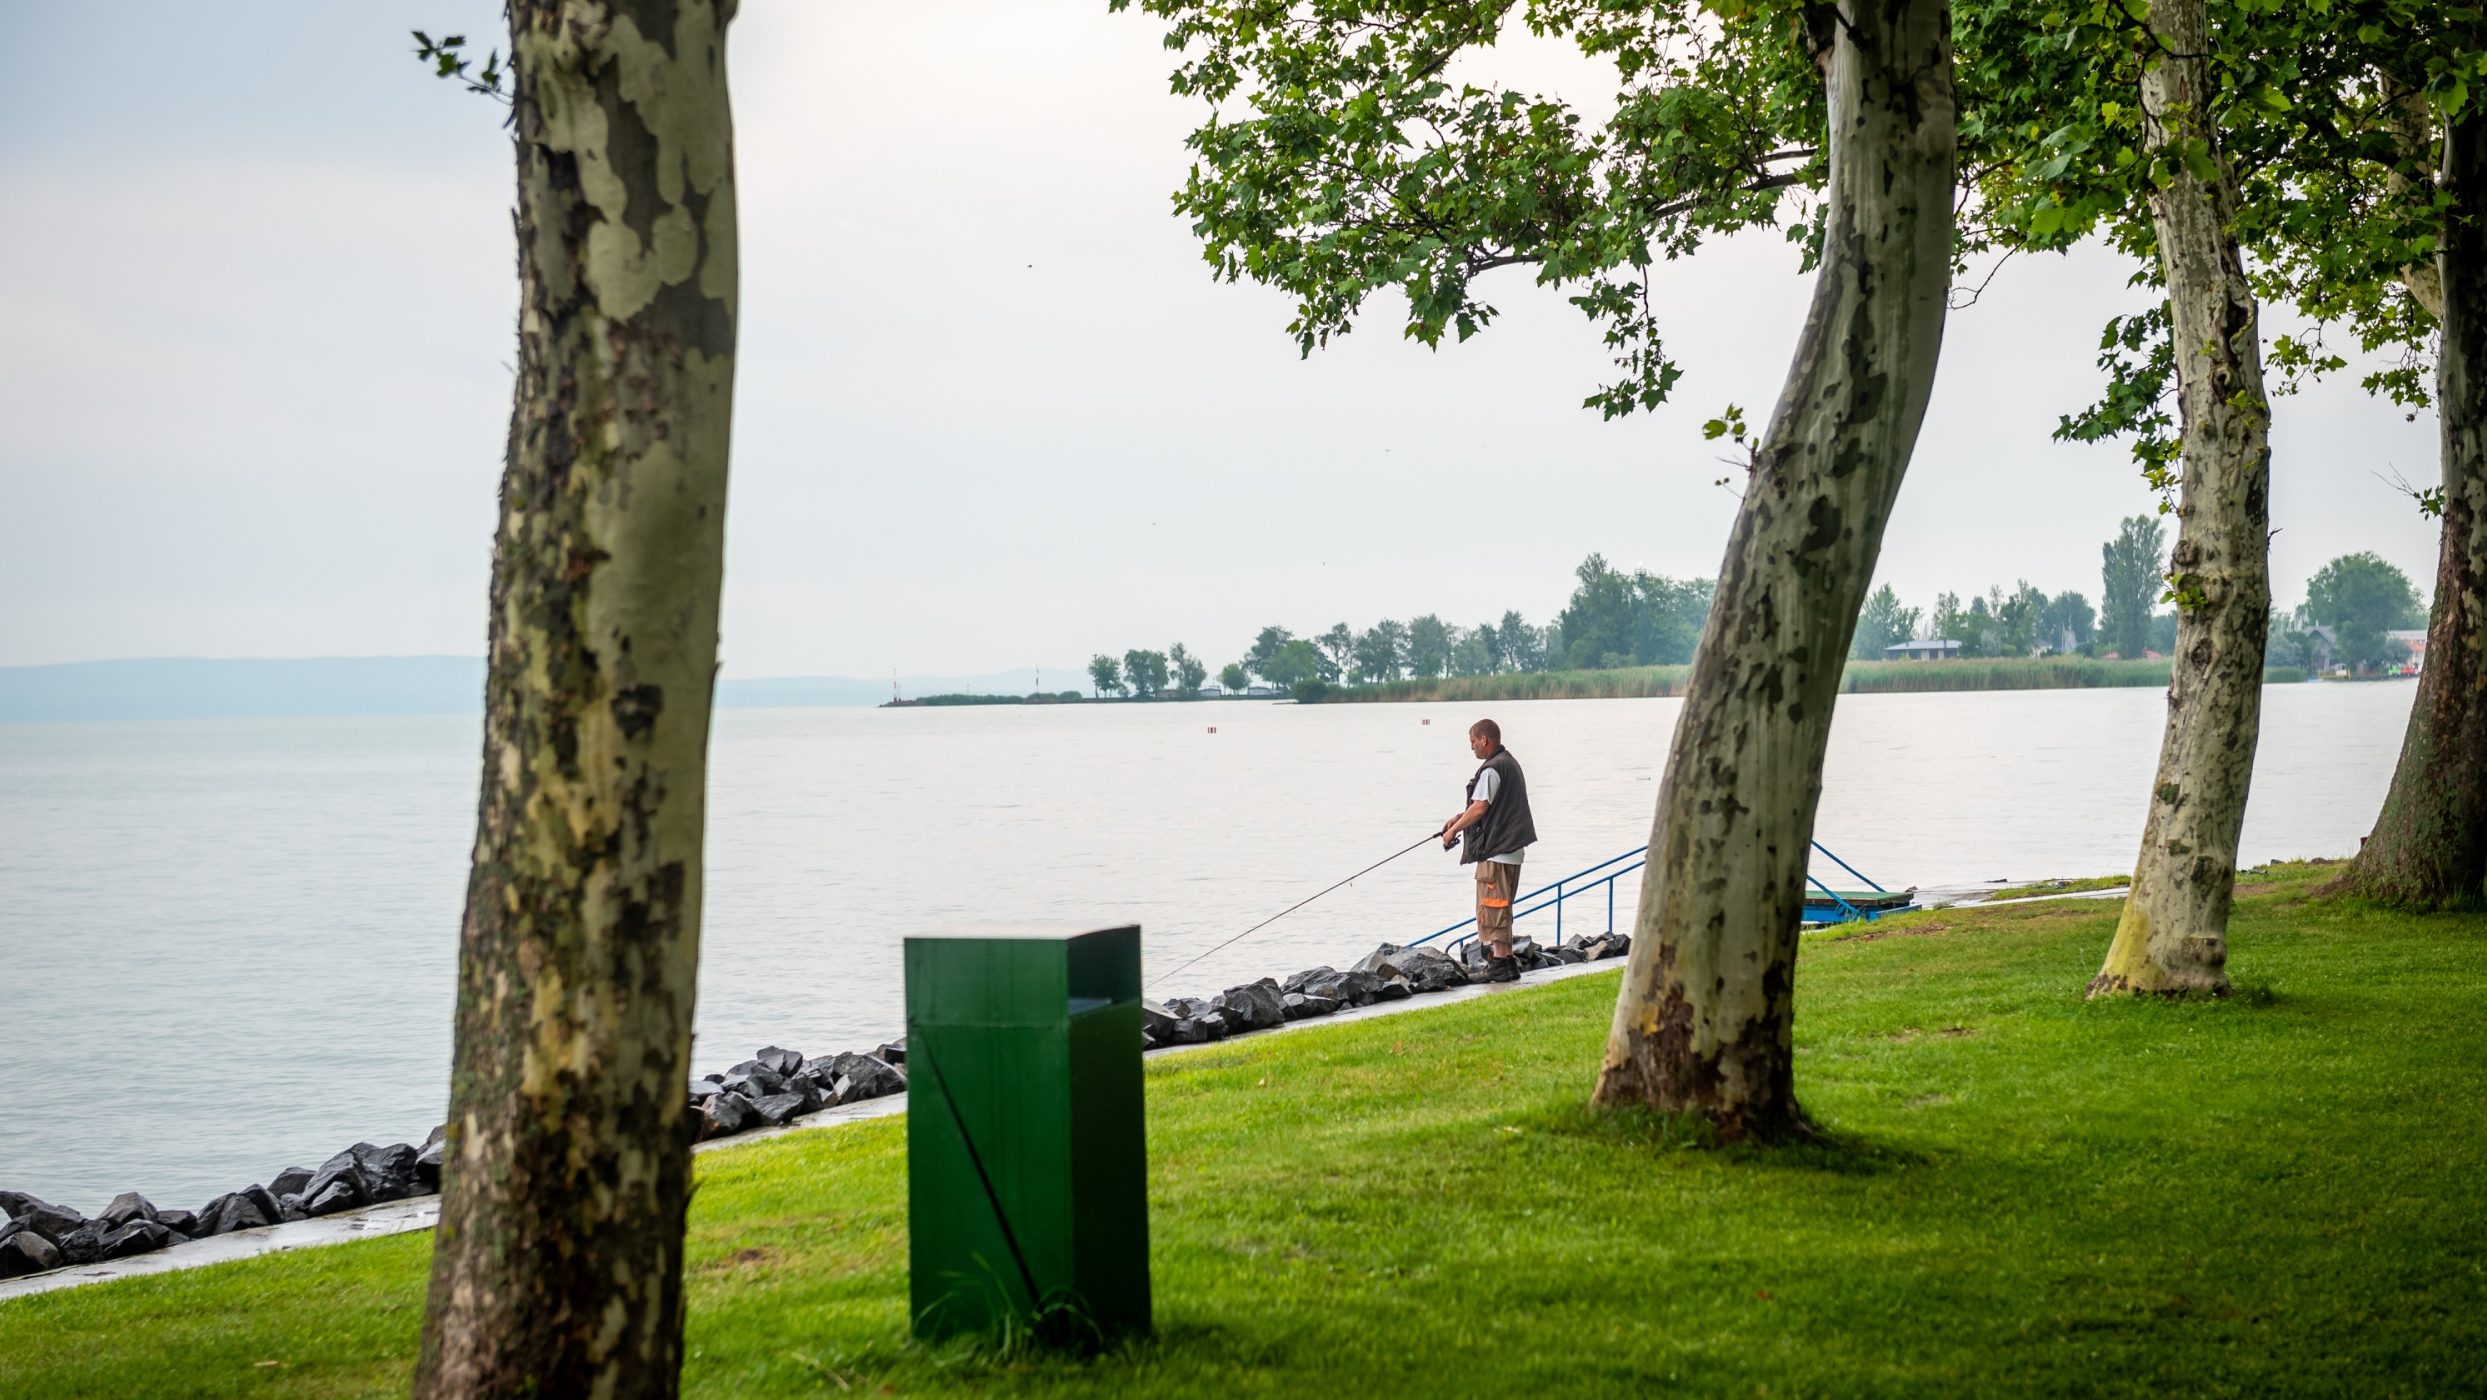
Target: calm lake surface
[{"x": 227, "y": 947}]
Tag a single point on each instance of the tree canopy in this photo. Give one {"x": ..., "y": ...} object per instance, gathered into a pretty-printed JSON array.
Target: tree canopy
[
  {"x": 1105, "y": 674},
  {"x": 2131, "y": 567},
  {"x": 1338, "y": 160},
  {"x": 2362, "y": 598}
]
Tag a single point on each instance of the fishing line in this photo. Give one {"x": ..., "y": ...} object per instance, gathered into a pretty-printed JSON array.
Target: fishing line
[{"x": 1265, "y": 923}]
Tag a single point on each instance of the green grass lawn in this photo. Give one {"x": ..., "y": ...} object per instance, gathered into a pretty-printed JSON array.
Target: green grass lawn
[{"x": 2281, "y": 1193}]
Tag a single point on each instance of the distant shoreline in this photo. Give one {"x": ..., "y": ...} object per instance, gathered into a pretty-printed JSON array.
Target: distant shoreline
[
  {"x": 1662, "y": 682},
  {"x": 1066, "y": 697},
  {"x": 1860, "y": 678}
]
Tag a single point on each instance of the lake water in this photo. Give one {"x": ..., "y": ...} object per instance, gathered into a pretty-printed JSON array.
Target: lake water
[{"x": 228, "y": 946}]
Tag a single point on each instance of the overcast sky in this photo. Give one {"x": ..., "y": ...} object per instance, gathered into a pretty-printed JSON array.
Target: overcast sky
[{"x": 255, "y": 275}]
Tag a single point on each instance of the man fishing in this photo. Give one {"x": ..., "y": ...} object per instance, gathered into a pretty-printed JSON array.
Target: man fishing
[{"x": 1493, "y": 831}]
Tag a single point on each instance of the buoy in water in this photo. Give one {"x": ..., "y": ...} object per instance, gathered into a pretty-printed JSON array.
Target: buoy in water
[
  {"x": 1424, "y": 721},
  {"x": 1213, "y": 729}
]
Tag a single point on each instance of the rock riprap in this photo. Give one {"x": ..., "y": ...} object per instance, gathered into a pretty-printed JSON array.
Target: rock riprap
[
  {"x": 1388, "y": 973},
  {"x": 775, "y": 1086}
]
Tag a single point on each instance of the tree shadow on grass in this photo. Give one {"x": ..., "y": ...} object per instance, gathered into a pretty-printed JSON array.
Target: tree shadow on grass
[
  {"x": 1013, "y": 1355},
  {"x": 1644, "y": 1131}
]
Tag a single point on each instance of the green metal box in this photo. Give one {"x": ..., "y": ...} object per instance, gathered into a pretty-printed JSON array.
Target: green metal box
[{"x": 1027, "y": 1169}]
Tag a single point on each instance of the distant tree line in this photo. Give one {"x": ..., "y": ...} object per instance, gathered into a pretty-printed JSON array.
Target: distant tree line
[
  {"x": 2351, "y": 607},
  {"x": 1616, "y": 619},
  {"x": 1148, "y": 675}
]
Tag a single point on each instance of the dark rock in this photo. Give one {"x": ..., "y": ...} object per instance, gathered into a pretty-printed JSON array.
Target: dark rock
[
  {"x": 26, "y": 1252},
  {"x": 1298, "y": 982},
  {"x": 780, "y": 1061},
  {"x": 388, "y": 1172},
  {"x": 1254, "y": 1006},
  {"x": 725, "y": 1114},
  {"x": 343, "y": 1169},
  {"x": 136, "y": 1237},
  {"x": 777, "y": 1108},
  {"x": 54, "y": 1223},
  {"x": 893, "y": 1052},
  {"x": 48, "y": 1219},
  {"x": 435, "y": 1150},
  {"x": 707, "y": 1088},
  {"x": 1396, "y": 989},
  {"x": 290, "y": 1207},
  {"x": 1425, "y": 969},
  {"x": 1301, "y": 1005},
  {"x": 755, "y": 1082},
  {"x": 846, "y": 1077},
  {"x": 16, "y": 1203},
  {"x": 1532, "y": 958},
  {"x": 1566, "y": 956},
  {"x": 126, "y": 1207},
  {"x": 1216, "y": 1025},
  {"x": 180, "y": 1222},
  {"x": 1190, "y": 1006},
  {"x": 83, "y": 1245},
  {"x": 261, "y": 1197},
  {"x": 339, "y": 1194},
  {"x": 1346, "y": 988},
  {"x": 1373, "y": 962},
  {"x": 1168, "y": 1028},
  {"x": 239, "y": 1211},
  {"x": 291, "y": 1181}
]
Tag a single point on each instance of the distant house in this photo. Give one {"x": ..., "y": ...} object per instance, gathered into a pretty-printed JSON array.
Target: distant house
[
  {"x": 2322, "y": 647},
  {"x": 1940, "y": 649}
]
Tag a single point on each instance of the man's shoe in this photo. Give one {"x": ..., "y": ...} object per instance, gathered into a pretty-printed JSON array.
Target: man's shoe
[{"x": 1502, "y": 969}]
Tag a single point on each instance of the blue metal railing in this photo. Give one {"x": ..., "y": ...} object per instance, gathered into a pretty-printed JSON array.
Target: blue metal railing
[{"x": 1578, "y": 883}]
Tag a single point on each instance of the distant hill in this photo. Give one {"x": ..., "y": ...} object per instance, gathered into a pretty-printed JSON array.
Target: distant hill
[{"x": 200, "y": 688}]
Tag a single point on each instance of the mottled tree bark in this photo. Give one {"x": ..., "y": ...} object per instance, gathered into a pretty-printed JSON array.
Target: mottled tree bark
[
  {"x": 558, "y": 1264},
  {"x": 1704, "y": 1022},
  {"x": 2173, "y": 936},
  {"x": 2429, "y": 847}
]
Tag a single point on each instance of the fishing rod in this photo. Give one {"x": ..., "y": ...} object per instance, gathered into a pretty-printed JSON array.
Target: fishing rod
[{"x": 1265, "y": 923}]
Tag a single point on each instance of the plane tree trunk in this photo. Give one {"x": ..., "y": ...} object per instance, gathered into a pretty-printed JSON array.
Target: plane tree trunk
[
  {"x": 2429, "y": 847},
  {"x": 2173, "y": 936},
  {"x": 557, "y": 1268},
  {"x": 1704, "y": 1023}
]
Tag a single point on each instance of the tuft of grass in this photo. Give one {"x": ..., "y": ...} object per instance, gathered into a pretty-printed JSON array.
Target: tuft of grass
[{"x": 2012, "y": 1191}]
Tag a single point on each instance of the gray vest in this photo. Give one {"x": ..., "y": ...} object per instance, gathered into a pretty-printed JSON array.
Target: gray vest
[{"x": 1506, "y": 826}]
